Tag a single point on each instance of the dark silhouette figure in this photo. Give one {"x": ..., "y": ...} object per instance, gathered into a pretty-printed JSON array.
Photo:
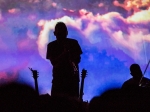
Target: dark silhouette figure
[
  {"x": 15, "y": 97},
  {"x": 59, "y": 104},
  {"x": 137, "y": 80},
  {"x": 109, "y": 101},
  {"x": 64, "y": 55},
  {"x": 118, "y": 100}
]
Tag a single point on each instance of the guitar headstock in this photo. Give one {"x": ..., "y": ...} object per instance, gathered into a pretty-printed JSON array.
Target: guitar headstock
[
  {"x": 83, "y": 73},
  {"x": 35, "y": 73}
]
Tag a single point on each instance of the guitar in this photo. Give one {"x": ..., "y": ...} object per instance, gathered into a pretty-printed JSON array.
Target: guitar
[
  {"x": 35, "y": 76},
  {"x": 83, "y": 75}
]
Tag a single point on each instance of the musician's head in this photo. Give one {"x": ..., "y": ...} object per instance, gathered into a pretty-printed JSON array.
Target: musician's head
[
  {"x": 135, "y": 71},
  {"x": 61, "y": 31}
]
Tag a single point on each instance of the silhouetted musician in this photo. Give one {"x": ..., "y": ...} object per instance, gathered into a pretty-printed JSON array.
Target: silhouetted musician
[
  {"x": 64, "y": 55},
  {"x": 137, "y": 80}
]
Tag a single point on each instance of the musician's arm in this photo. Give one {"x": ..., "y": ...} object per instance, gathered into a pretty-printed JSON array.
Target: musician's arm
[
  {"x": 59, "y": 59},
  {"x": 77, "y": 53},
  {"x": 56, "y": 60},
  {"x": 76, "y": 58}
]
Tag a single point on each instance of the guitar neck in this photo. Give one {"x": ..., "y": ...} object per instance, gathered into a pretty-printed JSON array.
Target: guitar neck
[
  {"x": 81, "y": 90},
  {"x": 83, "y": 75},
  {"x": 36, "y": 86},
  {"x": 35, "y": 76}
]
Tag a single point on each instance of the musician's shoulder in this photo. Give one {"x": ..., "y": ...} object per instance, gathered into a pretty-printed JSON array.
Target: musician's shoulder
[
  {"x": 52, "y": 43},
  {"x": 72, "y": 40},
  {"x": 146, "y": 79}
]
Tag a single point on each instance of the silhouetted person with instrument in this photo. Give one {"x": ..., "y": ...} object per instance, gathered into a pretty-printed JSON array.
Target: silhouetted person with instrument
[
  {"x": 64, "y": 55},
  {"x": 137, "y": 80}
]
